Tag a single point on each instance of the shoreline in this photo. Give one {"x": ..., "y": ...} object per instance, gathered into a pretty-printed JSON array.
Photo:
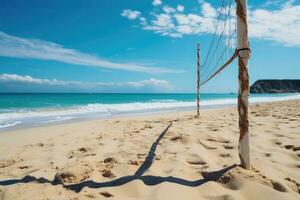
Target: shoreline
[
  {"x": 98, "y": 116},
  {"x": 115, "y": 116},
  {"x": 13, "y": 119}
]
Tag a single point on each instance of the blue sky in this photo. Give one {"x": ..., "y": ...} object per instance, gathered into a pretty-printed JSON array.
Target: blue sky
[{"x": 134, "y": 45}]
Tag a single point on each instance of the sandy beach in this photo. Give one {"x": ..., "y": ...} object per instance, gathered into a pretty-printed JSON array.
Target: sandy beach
[{"x": 162, "y": 156}]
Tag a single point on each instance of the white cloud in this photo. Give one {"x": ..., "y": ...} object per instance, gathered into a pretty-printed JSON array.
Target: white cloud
[
  {"x": 168, "y": 9},
  {"x": 143, "y": 21},
  {"x": 156, "y": 2},
  {"x": 182, "y": 19},
  {"x": 151, "y": 83},
  {"x": 4, "y": 78},
  {"x": 180, "y": 8},
  {"x": 130, "y": 14},
  {"x": 12, "y": 46},
  {"x": 162, "y": 24},
  {"x": 279, "y": 24},
  {"x": 163, "y": 20},
  {"x": 174, "y": 23},
  {"x": 278, "y": 3},
  {"x": 288, "y": 3},
  {"x": 271, "y": 3},
  {"x": 208, "y": 11}
]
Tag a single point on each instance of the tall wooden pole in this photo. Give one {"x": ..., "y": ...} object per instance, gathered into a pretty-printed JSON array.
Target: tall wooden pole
[
  {"x": 243, "y": 57},
  {"x": 198, "y": 79}
]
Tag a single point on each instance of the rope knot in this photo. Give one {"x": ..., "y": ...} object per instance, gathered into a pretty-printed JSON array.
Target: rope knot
[{"x": 243, "y": 52}]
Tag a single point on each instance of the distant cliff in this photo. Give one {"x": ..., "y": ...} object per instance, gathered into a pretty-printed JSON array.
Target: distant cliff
[{"x": 275, "y": 86}]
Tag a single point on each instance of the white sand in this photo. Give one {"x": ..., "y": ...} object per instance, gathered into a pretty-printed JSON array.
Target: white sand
[{"x": 193, "y": 159}]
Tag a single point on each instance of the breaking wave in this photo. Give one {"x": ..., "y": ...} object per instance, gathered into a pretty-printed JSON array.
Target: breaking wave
[{"x": 37, "y": 116}]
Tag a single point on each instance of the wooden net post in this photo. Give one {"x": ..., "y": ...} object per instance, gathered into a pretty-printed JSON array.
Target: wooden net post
[
  {"x": 243, "y": 94},
  {"x": 198, "y": 79}
]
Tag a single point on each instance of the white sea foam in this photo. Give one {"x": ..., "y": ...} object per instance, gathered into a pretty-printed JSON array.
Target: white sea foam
[
  {"x": 57, "y": 119},
  {"x": 106, "y": 110},
  {"x": 5, "y": 125}
]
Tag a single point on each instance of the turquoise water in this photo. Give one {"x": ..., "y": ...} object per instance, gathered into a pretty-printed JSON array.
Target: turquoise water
[
  {"x": 36, "y": 109},
  {"x": 13, "y": 101}
]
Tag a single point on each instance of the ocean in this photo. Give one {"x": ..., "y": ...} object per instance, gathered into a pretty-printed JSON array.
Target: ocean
[{"x": 28, "y": 110}]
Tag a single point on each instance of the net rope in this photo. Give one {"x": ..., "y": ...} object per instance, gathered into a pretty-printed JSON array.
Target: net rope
[{"x": 221, "y": 52}]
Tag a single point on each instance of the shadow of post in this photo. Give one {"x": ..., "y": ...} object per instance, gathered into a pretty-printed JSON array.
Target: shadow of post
[
  {"x": 151, "y": 154},
  {"x": 147, "y": 180}
]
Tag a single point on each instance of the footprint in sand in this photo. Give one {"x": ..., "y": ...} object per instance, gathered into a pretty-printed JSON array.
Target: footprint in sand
[
  {"x": 196, "y": 160},
  {"x": 91, "y": 196},
  {"x": 278, "y": 186},
  {"x": 213, "y": 129},
  {"x": 106, "y": 194},
  {"x": 141, "y": 155},
  {"x": 212, "y": 140},
  {"x": 7, "y": 163},
  {"x": 218, "y": 140},
  {"x": 275, "y": 184},
  {"x": 207, "y": 145},
  {"x": 225, "y": 155},
  {"x": 110, "y": 162},
  {"x": 278, "y": 143},
  {"x": 288, "y": 146},
  {"x": 268, "y": 154},
  {"x": 226, "y": 178},
  {"x": 81, "y": 152},
  {"x": 296, "y": 149},
  {"x": 23, "y": 167},
  {"x": 228, "y": 147},
  {"x": 73, "y": 174},
  {"x": 107, "y": 173},
  {"x": 106, "y": 165},
  {"x": 148, "y": 126},
  {"x": 180, "y": 138},
  {"x": 10, "y": 162},
  {"x": 175, "y": 138},
  {"x": 133, "y": 162},
  {"x": 99, "y": 137},
  {"x": 297, "y": 188}
]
